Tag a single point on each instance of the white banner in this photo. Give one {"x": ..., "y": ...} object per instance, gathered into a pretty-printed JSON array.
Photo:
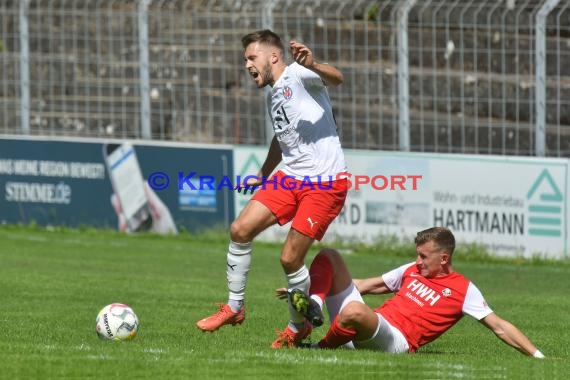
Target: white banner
[{"x": 514, "y": 206}]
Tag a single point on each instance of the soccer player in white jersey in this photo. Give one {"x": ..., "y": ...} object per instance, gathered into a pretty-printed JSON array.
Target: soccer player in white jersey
[
  {"x": 430, "y": 297},
  {"x": 308, "y": 190}
]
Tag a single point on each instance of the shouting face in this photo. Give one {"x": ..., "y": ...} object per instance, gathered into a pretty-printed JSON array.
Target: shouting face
[{"x": 258, "y": 60}]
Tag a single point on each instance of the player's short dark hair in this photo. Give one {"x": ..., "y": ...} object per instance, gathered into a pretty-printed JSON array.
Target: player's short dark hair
[
  {"x": 264, "y": 36},
  {"x": 441, "y": 236}
]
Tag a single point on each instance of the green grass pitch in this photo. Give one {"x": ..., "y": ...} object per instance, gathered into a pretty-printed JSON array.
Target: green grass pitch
[{"x": 53, "y": 283}]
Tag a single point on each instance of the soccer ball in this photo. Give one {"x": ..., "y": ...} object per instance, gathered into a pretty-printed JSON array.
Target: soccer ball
[{"x": 117, "y": 322}]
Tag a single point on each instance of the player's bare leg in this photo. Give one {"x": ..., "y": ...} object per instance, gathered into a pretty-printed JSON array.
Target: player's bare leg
[{"x": 356, "y": 321}]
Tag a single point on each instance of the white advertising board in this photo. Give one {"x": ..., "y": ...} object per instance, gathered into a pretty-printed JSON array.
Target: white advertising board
[{"x": 514, "y": 206}]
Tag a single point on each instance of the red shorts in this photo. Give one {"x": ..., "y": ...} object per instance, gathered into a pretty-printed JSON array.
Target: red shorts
[{"x": 311, "y": 206}]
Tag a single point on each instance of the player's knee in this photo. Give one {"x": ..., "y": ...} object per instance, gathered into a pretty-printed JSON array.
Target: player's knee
[
  {"x": 291, "y": 263},
  {"x": 333, "y": 256},
  {"x": 239, "y": 233},
  {"x": 353, "y": 313}
]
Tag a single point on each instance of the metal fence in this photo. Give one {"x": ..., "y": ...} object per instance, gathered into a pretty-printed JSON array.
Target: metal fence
[{"x": 465, "y": 76}]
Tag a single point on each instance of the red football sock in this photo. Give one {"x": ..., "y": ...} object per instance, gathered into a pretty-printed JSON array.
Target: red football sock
[
  {"x": 336, "y": 335},
  {"x": 321, "y": 273}
]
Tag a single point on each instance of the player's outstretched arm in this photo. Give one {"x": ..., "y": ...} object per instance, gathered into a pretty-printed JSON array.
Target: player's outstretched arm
[
  {"x": 373, "y": 285},
  {"x": 511, "y": 335}
]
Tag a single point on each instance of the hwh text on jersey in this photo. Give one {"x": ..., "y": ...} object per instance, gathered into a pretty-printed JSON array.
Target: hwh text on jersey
[{"x": 424, "y": 292}]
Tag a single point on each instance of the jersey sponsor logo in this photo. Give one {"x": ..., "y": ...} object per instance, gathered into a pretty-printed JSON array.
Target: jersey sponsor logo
[
  {"x": 415, "y": 299},
  {"x": 285, "y": 133},
  {"x": 287, "y": 92},
  {"x": 423, "y": 292},
  {"x": 280, "y": 120}
]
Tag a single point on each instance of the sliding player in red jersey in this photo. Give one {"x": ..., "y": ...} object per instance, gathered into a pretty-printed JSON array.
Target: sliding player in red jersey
[{"x": 430, "y": 297}]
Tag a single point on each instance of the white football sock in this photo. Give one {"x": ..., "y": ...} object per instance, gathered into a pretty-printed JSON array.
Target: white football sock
[
  {"x": 235, "y": 305},
  {"x": 298, "y": 280},
  {"x": 239, "y": 261}
]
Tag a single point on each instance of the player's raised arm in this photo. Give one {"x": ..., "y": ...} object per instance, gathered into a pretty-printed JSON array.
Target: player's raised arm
[
  {"x": 304, "y": 56},
  {"x": 511, "y": 335}
]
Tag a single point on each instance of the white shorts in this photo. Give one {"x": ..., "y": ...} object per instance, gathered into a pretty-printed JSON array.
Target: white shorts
[{"x": 387, "y": 338}]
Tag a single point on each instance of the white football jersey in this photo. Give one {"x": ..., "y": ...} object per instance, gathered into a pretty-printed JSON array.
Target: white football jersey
[{"x": 304, "y": 125}]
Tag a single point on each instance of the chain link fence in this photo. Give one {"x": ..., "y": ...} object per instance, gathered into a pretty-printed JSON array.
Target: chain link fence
[{"x": 460, "y": 76}]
